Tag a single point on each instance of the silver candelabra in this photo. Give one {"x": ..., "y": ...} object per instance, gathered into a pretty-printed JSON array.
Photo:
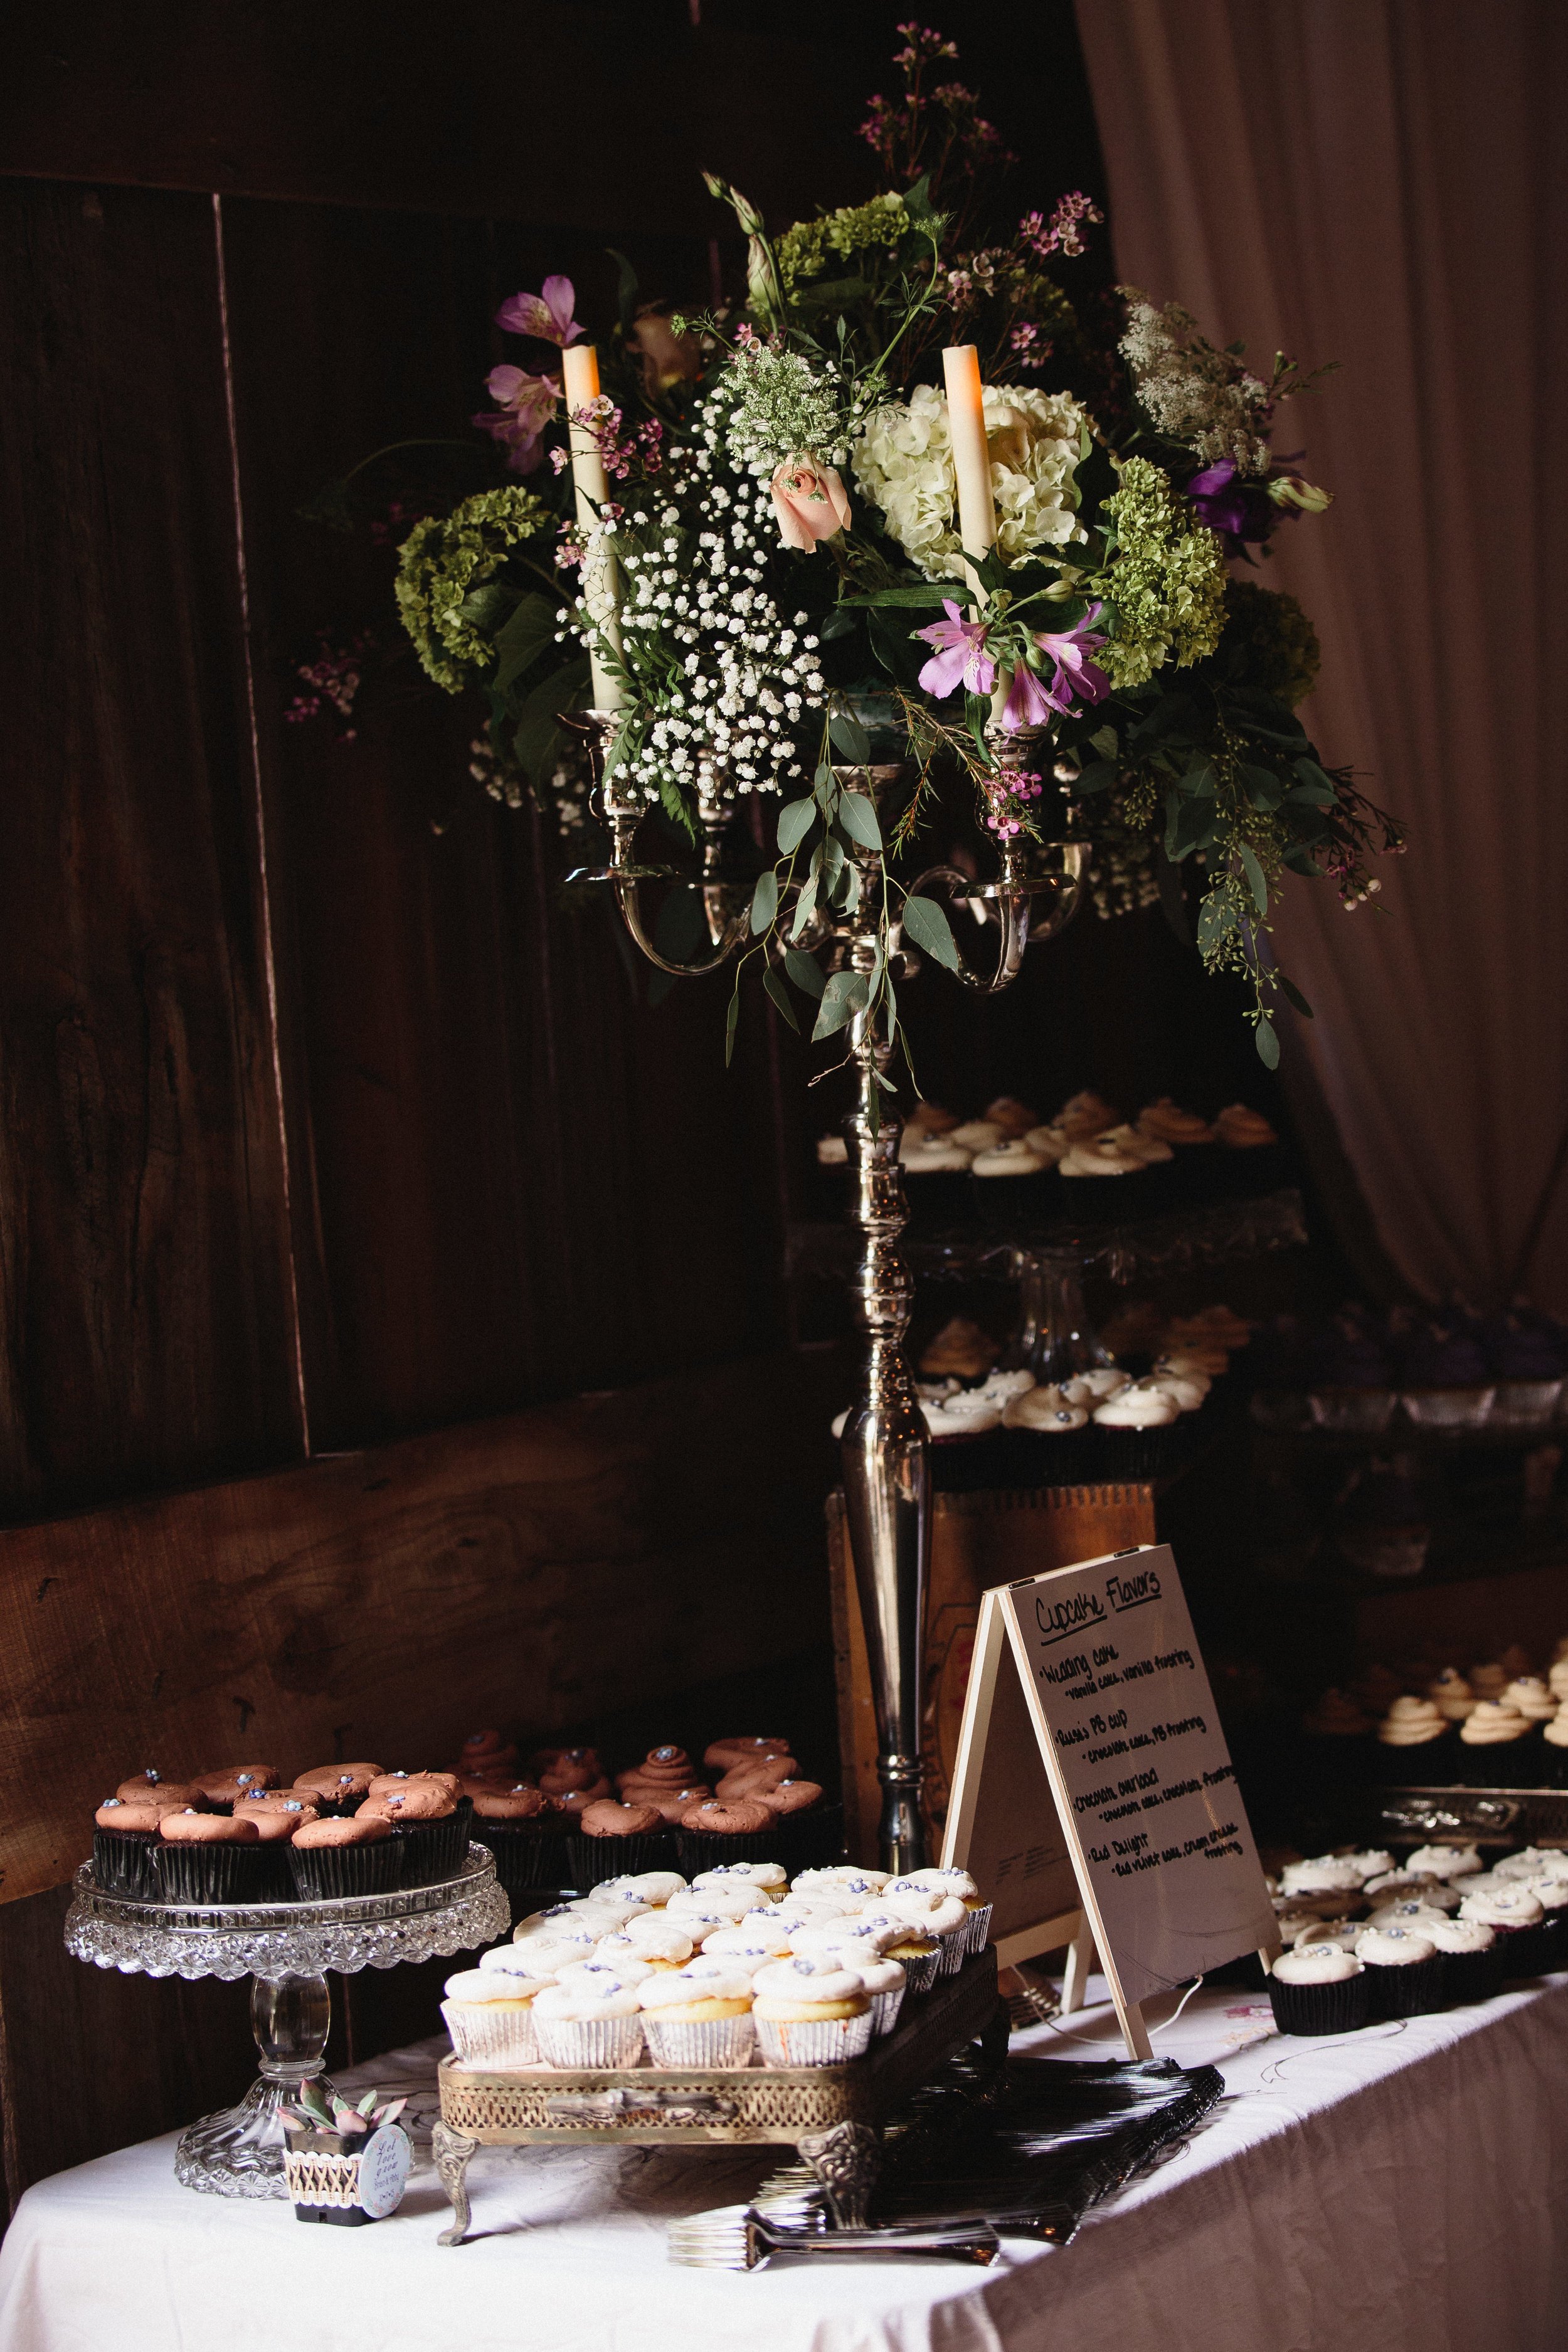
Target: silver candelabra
[{"x": 886, "y": 1455}]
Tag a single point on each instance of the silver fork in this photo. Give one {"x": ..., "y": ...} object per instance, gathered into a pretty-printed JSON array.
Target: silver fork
[{"x": 738, "y": 2238}]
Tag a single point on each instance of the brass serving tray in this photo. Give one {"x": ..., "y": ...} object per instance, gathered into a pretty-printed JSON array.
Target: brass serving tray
[{"x": 832, "y": 2114}]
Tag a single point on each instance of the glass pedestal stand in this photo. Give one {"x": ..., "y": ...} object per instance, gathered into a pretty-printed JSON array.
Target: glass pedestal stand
[
  {"x": 288, "y": 1947},
  {"x": 1055, "y": 1339}
]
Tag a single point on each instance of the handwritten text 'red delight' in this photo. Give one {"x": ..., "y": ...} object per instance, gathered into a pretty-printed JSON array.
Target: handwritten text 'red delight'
[{"x": 1057, "y": 1620}]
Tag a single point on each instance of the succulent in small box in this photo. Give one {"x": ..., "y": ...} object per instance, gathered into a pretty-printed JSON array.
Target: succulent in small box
[{"x": 343, "y": 2163}]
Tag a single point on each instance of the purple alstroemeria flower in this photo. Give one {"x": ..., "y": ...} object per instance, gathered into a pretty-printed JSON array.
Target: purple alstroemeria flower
[
  {"x": 1075, "y": 673},
  {"x": 547, "y": 315},
  {"x": 526, "y": 405},
  {"x": 1030, "y": 702},
  {"x": 961, "y": 658},
  {"x": 1237, "y": 504}
]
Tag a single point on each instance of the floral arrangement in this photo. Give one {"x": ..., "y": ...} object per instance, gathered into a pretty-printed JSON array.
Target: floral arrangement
[{"x": 784, "y": 528}]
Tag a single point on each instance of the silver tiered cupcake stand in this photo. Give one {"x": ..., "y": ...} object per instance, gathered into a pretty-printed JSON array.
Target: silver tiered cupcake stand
[{"x": 288, "y": 1947}]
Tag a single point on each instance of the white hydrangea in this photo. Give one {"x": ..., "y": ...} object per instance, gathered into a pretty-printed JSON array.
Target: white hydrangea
[{"x": 903, "y": 464}]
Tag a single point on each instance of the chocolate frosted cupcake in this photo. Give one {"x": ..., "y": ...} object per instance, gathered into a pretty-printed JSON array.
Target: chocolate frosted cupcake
[
  {"x": 430, "y": 1823},
  {"x": 721, "y": 1756},
  {"x": 232, "y": 1780},
  {"x": 809, "y": 1833},
  {"x": 1198, "y": 1169},
  {"x": 335, "y": 1857},
  {"x": 337, "y": 1789},
  {"x": 526, "y": 1831},
  {"x": 125, "y": 1829},
  {"x": 737, "y": 1829},
  {"x": 617, "y": 1841},
  {"x": 1318, "y": 1988},
  {"x": 210, "y": 1858},
  {"x": 278, "y": 1814},
  {"x": 575, "y": 1773},
  {"x": 173, "y": 1795},
  {"x": 486, "y": 1755},
  {"x": 1250, "y": 1161}
]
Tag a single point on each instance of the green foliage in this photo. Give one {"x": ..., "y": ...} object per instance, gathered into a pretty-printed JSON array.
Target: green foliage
[
  {"x": 1166, "y": 581},
  {"x": 443, "y": 562}
]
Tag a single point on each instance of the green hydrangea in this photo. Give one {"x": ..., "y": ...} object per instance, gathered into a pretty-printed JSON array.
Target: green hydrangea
[
  {"x": 1167, "y": 579},
  {"x": 804, "y": 251},
  {"x": 1274, "y": 644},
  {"x": 443, "y": 560}
]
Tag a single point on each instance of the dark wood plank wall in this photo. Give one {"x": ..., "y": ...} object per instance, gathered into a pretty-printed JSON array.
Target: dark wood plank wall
[{"x": 321, "y": 1127}]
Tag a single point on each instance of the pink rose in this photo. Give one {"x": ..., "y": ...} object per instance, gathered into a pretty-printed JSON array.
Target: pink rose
[{"x": 810, "y": 503}]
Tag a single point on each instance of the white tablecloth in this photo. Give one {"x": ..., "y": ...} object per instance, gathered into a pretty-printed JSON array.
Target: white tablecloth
[{"x": 1404, "y": 2187}]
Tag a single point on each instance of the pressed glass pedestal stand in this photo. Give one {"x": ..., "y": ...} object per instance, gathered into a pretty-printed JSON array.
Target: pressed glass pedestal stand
[{"x": 288, "y": 1947}]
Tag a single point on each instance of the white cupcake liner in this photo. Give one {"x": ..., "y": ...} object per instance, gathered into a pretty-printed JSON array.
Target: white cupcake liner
[
  {"x": 920, "y": 1971},
  {"x": 578, "y": 2041},
  {"x": 483, "y": 2035},
  {"x": 814, "y": 2041},
  {"x": 885, "y": 2008},
  {"x": 979, "y": 1929},
  {"x": 954, "y": 1951},
  {"x": 699, "y": 2041}
]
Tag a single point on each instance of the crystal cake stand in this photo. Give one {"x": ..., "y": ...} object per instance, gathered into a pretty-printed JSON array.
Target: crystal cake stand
[{"x": 288, "y": 1947}]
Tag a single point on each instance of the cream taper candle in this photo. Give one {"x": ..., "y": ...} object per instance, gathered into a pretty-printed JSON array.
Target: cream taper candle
[
  {"x": 600, "y": 577},
  {"x": 970, "y": 454}
]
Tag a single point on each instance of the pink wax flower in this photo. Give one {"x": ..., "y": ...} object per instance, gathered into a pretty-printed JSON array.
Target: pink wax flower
[
  {"x": 547, "y": 315},
  {"x": 526, "y": 405},
  {"x": 810, "y": 503},
  {"x": 960, "y": 658}
]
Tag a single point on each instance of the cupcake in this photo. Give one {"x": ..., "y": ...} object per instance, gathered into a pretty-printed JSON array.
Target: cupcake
[
  {"x": 721, "y": 1756},
  {"x": 174, "y": 1795},
  {"x": 1489, "y": 1680},
  {"x": 960, "y": 1350},
  {"x": 613, "y": 1839},
  {"x": 1445, "y": 1862},
  {"x": 429, "y": 1823},
  {"x": 949, "y": 1881},
  {"x": 1049, "y": 1422},
  {"x": 807, "y": 1828},
  {"x": 1085, "y": 1114},
  {"x": 808, "y": 2015},
  {"x": 1452, "y": 1695},
  {"x": 1320, "y": 1933},
  {"x": 856, "y": 1878},
  {"x": 730, "y": 1898},
  {"x": 486, "y": 1755},
  {"x": 748, "y": 1945},
  {"x": 279, "y": 1815},
  {"x": 1329, "y": 1876},
  {"x": 1198, "y": 1171},
  {"x": 208, "y": 1858},
  {"x": 740, "y": 1828},
  {"x": 1318, "y": 1988},
  {"x": 337, "y": 1789},
  {"x": 666, "y": 1767},
  {"x": 1550, "y": 1889},
  {"x": 1251, "y": 1161},
  {"x": 1554, "y": 1750},
  {"x": 769, "y": 1878},
  {"x": 653, "y": 1888},
  {"x": 1532, "y": 1697},
  {"x": 1403, "y": 1969},
  {"x": 939, "y": 1914},
  {"x": 1102, "y": 1183},
  {"x": 334, "y": 1856},
  {"x": 1338, "y": 1750},
  {"x": 1140, "y": 1417},
  {"x": 1406, "y": 1911},
  {"x": 1516, "y": 1918},
  {"x": 1494, "y": 1746},
  {"x": 1416, "y": 1741},
  {"x": 586, "y": 2025},
  {"x": 525, "y": 1832},
  {"x": 221, "y": 1788},
  {"x": 124, "y": 1831},
  {"x": 974, "y": 1135},
  {"x": 754, "y": 1776},
  {"x": 655, "y": 1936},
  {"x": 1471, "y": 1957},
  {"x": 885, "y": 1983},
  {"x": 1013, "y": 1189},
  {"x": 489, "y": 2013},
  {"x": 698, "y": 2016},
  {"x": 576, "y": 1778},
  {"x": 1014, "y": 1117},
  {"x": 914, "y": 1946}
]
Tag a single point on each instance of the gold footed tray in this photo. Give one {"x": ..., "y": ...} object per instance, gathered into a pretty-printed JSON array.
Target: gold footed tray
[{"x": 833, "y": 2115}]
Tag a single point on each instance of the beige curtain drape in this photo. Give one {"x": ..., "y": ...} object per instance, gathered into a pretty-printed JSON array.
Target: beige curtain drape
[{"x": 1384, "y": 183}]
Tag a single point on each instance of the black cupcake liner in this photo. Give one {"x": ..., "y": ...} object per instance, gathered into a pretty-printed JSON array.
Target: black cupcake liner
[
  {"x": 1111, "y": 1200},
  {"x": 1499, "y": 1764},
  {"x": 433, "y": 1851},
  {"x": 937, "y": 1202},
  {"x": 325, "y": 1874},
  {"x": 122, "y": 1864},
  {"x": 1338, "y": 2008},
  {"x": 811, "y": 1840},
  {"x": 1246, "y": 1171},
  {"x": 525, "y": 1857},
  {"x": 1410, "y": 1988},
  {"x": 591, "y": 1860},
  {"x": 1471, "y": 1976},
  {"x": 223, "y": 1874},
  {"x": 1524, "y": 1950},
  {"x": 706, "y": 1848},
  {"x": 1197, "y": 1174},
  {"x": 1015, "y": 1204},
  {"x": 1553, "y": 1933}
]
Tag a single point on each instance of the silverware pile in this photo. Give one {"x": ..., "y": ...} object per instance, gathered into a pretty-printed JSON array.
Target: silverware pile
[{"x": 738, "y": 2238}]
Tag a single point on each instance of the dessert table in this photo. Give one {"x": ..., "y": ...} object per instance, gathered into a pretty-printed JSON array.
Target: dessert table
[{"x": 1405, "y": 2186}]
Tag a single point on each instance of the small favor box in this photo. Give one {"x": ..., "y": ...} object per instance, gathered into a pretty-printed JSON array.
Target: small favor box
[{"x": 348, "y": 2182}]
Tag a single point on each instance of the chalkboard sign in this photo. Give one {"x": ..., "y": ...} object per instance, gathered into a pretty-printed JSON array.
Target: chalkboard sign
[{"x": 1134, "y": 1832}]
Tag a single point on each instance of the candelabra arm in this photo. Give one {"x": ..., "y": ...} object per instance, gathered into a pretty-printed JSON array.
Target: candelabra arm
[{"x": 726, "y": 905}]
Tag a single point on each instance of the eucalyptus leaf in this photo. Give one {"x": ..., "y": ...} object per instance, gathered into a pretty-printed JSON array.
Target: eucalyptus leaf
[
  {"x": 778, "y": 995},
  {"x": 844, "y": 996},
  {"x": 851, "y": 738},
  {"x": 1215, "y": 918},
  {"x": 1200, "y": 781},
  {"x": 1319, "y": 796},
  {"x": 1266, "y": 1038},
  {"x": 805, "y": 908},
  {"x": 859, "y": 818},
  {"x": 805, "y": 971},
  {"x": 1105, "y": 742},
  {"x": 731, "y": 1020},
  {"x": 1301, "y": 861},
  {"x": 795, "y": 821},
  {"x": 1253, "y": 873},
  {"x": 1294, "y": 996},
  {"x": 929, "y": 928},
  {"x": 1098, "y": 777},
  {"x": 764, "y": 901}
]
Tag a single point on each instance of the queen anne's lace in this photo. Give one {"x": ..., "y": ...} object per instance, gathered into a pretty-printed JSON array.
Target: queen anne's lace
[{"x": 903, "y": 464}]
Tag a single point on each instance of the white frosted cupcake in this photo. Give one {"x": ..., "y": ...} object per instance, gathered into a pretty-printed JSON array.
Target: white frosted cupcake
[
  {"x": 1320, "y": 1932},
  {"x": 950, "y": 1881},
  {"x": 942, "y": 1915},
  {"x": 653, "y": 1888},
  {"x": 632, "y": 1962},
  {"x": 886, "y": 1984},
  {"x": 770, "y": 1878},
  {"x": 748, "y": 1949},
  {"x": 1445, "y": 1862},
  {"x": 1046, "y": 1409},
  {"x": 699, "y": 2018},
  {"x": 489, "y": 2013},
  {"x": 702, "y": 1921},
  {"x": 917, "y": 1949},
  {"x": 728, "y": 1898},
  {"x": 1327, "y": 1875},
  {"x": 1408, "y": 1912},
  {"x": 548, "y": 1955},
  {"x": 1318, "y": 1988},
  {"x": 582, "y": 2025},
  {"x": 840, "y": 1878},
  {"x": 657, "y": 1938},
  {"x": 601, "y": 1968},
  {"x": 1452, "y": 1694},
  {"x": 1403, "y": 1969},
  {"x": 809, "y": 2015}
]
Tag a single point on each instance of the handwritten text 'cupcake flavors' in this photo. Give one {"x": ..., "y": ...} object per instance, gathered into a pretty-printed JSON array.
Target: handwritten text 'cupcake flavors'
[{"x": 1127, "y": 1733}]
